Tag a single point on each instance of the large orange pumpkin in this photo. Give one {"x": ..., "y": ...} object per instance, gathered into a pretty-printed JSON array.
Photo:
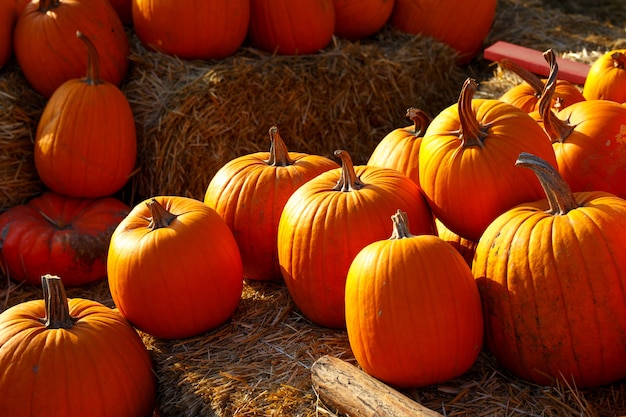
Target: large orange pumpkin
[
  {"x": 287, "y": 27},
  {"x": 48, "y": 52},
  {"x": 552, "y": 277},
  {"x": 321, "y": 229},
  {"x": 357, "y": 19},
  {"x": 413, "y": 312},
  {"x": 463, "y": 25},
  {"x": 86, "y": 142},
  {"x": 56, "y": 234},
  {"x": 250, "y": 191},
  {"x": 606, "y": 79},
  {"x": 174, "y": 267},
  {"x": 192, "y": 29},
  {"x": 467, "y": 161},
  {"x": 73, "y": 357}
]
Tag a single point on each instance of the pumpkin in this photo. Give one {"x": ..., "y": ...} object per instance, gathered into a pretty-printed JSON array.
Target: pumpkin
[
  {"x": 286, "y": 27},
  {"x": 358, "y": 19},
  {"x": 48, "y": 52},
  {"x": 552, "y": 274},
  {"x": 463, "y": 25},
  {"x": 81, "y": 359},
  {"x": 589, "y": 140},
  {"x": 60, "y": 235},
  {"x": 86, "y": 144},
  {"x": 320, "y": 231},
  {"x": 399, "y": 149},
  {"x": 465, "y": 247},
  {"x": 467, "y": 161},
  {"x": 124, "y": 9},
  {"x": 250, "y": 191},
  {"x": 526, "y": 95},
  {"x": 8, "y": 16},
  {"x": 413, "y": 312},
  {"x": 174, "y": 267},
  {"x": 192, "y": 29},
  {"x": 606, "y": 79}
]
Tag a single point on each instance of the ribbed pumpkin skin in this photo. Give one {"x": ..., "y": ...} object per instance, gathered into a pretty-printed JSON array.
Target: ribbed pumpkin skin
[
  {"x": 59, "y": 56},
  {"x": 525, "y": 97},
  {"x": 463, "y": 25},
  {"x": 357, "y": 19},
  {"x": 56, "y": 234},
  {"x": 467, "y": 187},
  {"x": 86, "y": 143},
  {"x": 98, "y": 368},
  {"x": 250, "y": 195},
  {"x": 413, "y": 312},
  {"x": 553, "y": 290},
  {"x": 175, "y": 281},
  {"x": 291, "y": 28},
  {"x": 192, "y": 29},
  {"x": 320, "y": 232},
  {"x": 606, "y": 79}
]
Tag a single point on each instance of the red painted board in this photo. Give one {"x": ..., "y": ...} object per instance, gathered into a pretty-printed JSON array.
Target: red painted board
[{"x": 533, "y": 61}]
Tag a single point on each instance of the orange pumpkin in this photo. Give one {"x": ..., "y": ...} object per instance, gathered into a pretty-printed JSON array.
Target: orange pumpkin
[
  {"x": 399, "y": 149},
  {"x": 286, "y": 27},
  {"x": 357, "y": 19},
  {"x": 48, "y": 52},
  {"x": 72, "y": 357},
  {"x": 86, "y": 142},
  {"x": 552, "y": 277},
  {"x": 606, "y": 79},
  {"x": 124, "y": 9},
  {"x": 413, "y": 312},
  {"x": 463, "y": 25},
  {"x": 465, "y": 247},
  {"x": 8, "y": 18},
  {"x": 320, "y": 231},
  {"x": 250, "y": 192},
  {"x": 174, "y": 268},
  {"x": 467, "y": 161},
  {"x": 192, "y": 29}
]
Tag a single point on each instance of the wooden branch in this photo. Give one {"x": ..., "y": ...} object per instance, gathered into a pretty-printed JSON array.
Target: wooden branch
[{"x": 357, "y": 394}]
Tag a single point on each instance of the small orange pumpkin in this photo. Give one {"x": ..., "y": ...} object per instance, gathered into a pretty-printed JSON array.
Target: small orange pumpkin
[{"x": 606, "y": 79}]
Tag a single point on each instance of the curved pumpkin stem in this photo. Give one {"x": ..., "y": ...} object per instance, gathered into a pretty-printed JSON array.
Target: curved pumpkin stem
[
  {"x": 348, "y": 181},
  {"x": 558, "y": 192},
  {"x": 420, "y": 120},
  {"x": 558, "y": 130},
  {"x": 528, "y": 77},
  {"x": 279, "y": 154},
  {"x": 619, "y": 59},
  {"x": 400, "y": 226},
  {"x": 160, "y": 216},
  {"x": 472, "y": 133},
  {"x": 47, "y": 5},
  {"x": 93, "y": 61},
  {"x": 56, "y": 305}
]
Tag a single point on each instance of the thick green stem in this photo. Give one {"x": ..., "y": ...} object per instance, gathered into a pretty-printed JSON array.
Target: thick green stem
[
  {"x": 400, "y": 226},
  {"x": 420, "y": 120},
  {"x": 160, "y": 216},
  {"x": 56, "y": 304},
  {"x": 558, "y": 192},
  {"x": 558, "y": 130},
  {"x": 93, "y": 62},
  {"x": 279, "y": 154},
  {"x": 348, "y": 181},
  {"x": 472, "y": 133}
]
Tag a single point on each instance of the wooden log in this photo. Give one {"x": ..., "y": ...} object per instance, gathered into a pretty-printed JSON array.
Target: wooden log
[{"x": 353, "y": 392}]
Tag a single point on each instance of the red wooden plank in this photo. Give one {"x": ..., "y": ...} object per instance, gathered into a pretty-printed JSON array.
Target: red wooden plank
[{"x": 533, "y": 61}]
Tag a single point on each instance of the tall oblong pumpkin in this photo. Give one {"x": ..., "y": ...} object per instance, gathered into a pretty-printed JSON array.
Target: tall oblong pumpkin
[
  {"x": 86, "y": 143},
  {"x": 552, "y": 278},
  {"x": 320, "y": 231}
]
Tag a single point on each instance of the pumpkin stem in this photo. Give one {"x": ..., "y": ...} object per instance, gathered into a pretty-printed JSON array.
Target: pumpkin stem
[
  {"x": 56, "y": 305},
  {"x": 160, "y": 216},
  {"x": 348, "y": 181},
  {"x": 528, "y": 77},
  {"x": 420, "y": 120},
  {"x": 400, "y": 226},
  {"x": 619, "y": 59},
  {"x": 279, "y": 154},
  {"x": 47, "y": 5},
  {"x": 558, "y": 130},
  {"x": 558, "y": 192},
  {"x": 93, "y": 62},
  {"x": 472, "y": 133}
]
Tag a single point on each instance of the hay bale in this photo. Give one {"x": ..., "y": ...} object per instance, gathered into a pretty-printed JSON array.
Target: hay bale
[{"x": 194, "y": 116}]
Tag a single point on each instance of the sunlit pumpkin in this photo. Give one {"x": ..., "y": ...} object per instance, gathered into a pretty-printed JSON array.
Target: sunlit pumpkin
[{"x": 606, "y": 79}]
